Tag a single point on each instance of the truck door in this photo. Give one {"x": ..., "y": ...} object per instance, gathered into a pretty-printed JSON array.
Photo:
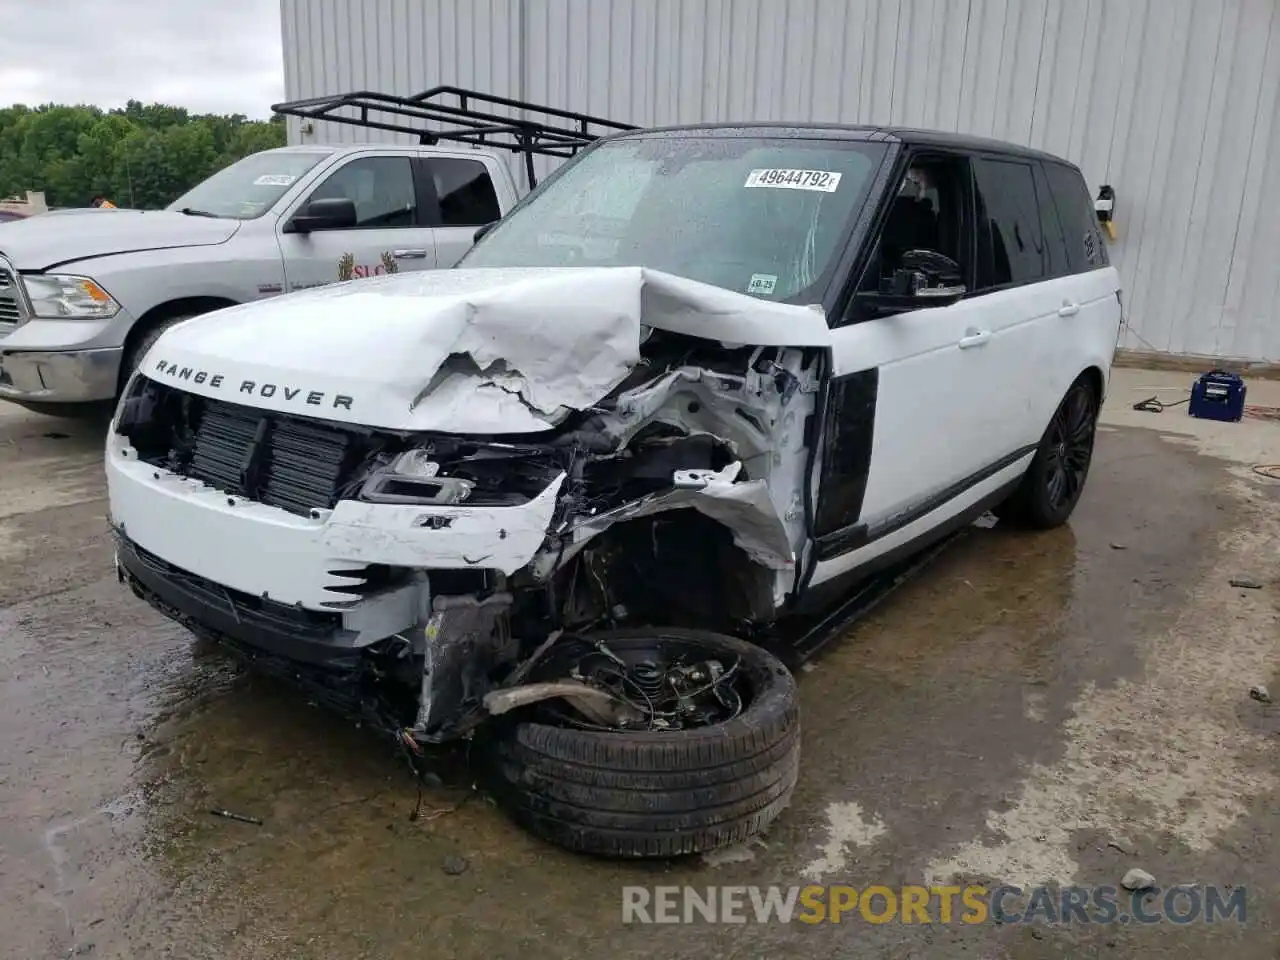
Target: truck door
[
  {"x": 391, "y": 224},
  {"x": 467, "y": 199}
]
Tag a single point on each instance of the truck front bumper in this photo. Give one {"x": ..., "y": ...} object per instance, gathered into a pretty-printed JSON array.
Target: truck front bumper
[{"x": 63, "y": 376}]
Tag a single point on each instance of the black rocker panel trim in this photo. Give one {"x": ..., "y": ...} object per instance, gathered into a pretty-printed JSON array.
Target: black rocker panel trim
[{"x": 860, "y": 534}]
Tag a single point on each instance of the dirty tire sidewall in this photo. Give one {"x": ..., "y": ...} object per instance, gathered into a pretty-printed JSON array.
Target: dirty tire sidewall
[{"x": 652, "y": 793}]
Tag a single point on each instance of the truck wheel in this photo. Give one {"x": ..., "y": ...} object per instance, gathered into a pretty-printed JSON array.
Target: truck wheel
[
  {"x": 643, "y": 792},
  {"x": 138, "y": 349},
  {"x": 1052, "y": 485}
]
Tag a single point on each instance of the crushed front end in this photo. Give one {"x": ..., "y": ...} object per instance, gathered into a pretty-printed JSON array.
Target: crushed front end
[{"x": 427, "y": 567}]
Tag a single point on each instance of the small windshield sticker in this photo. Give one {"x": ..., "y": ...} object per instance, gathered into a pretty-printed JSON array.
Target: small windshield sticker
[
  {"x": 822, "y": 180},
  {"x": 274, "y": 180},
  {"x": 762, "y": 283}
]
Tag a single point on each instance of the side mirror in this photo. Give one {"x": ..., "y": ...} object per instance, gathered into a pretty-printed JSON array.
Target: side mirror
[
  {"x": 923, "y": 279},
  {"x": 334, "y": 213},
  {"x": 483, "y": 230},
  {"x": 879, "y": 304}
]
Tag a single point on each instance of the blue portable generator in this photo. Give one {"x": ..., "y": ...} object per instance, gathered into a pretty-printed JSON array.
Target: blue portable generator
[{"x": 1217, "y": 395}]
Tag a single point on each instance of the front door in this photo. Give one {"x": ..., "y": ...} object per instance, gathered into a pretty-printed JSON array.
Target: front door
[
  {"x": 919, "y": 401},
  {"x": 391, "y": 226}
]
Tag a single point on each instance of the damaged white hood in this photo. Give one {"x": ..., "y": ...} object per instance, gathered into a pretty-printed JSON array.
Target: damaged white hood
[{"x": 481, "y": 351}]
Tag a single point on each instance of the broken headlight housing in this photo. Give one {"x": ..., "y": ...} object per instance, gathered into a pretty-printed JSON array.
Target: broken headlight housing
[
  {"x": 413, "y": 477},
  {"x": 451, "y": 471}
]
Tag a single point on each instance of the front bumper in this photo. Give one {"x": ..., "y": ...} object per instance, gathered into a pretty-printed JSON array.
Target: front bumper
[
  {"x": 220, "y": 614},
  {"x": 65, "y": 376},
  {"x": 177, "y": 532}
]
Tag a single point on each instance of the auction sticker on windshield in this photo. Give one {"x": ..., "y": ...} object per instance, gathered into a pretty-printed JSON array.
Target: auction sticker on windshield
[
  {"x": 821, "y": 180},
  {"x": 274, "y": 180}
]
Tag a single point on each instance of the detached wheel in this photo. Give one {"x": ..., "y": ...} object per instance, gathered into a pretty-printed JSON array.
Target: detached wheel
[
  {"x": 722, "y": 775},
  {"x": 1052, "y": 485}
]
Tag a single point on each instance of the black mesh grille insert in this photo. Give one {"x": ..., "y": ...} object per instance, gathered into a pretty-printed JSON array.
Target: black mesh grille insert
[
  {"x": 223, "y": 445},
  {"x": 300, "y": 463},
  {"x": 305, "y": 466},
  {"x": 272, "y": 458}
]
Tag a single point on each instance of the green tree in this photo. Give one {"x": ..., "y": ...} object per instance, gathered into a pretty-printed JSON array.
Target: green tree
[{"x": 141, "y": 155}]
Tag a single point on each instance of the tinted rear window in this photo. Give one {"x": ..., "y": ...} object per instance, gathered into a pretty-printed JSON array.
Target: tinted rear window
[
  {"x": 1085, "y": 247},
  {"x": 1010, "y": 235},
  {"x": 465, "y": 189}
]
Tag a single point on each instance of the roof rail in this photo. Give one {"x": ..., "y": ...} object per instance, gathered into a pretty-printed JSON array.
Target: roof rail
[{"x": 465, "y": 116}]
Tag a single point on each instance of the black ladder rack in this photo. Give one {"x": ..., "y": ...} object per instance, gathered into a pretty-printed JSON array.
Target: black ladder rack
[{"x": 465, "y": 116}]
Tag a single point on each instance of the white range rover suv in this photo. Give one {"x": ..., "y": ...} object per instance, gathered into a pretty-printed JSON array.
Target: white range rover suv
[{"x": 575, "y": 498}]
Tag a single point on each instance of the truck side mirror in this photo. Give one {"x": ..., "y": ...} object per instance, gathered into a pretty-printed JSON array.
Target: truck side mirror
[{"x": 333, "y": 213}]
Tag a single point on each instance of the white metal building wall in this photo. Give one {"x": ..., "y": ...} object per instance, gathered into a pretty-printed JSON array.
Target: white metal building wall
[{"x": 1173, "y": 102}]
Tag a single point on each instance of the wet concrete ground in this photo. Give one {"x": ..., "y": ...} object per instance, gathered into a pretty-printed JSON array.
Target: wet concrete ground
[{"x": 1025, "y": 703}]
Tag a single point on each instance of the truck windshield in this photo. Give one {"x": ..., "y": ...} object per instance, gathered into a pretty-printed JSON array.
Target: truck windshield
[
  {"x": 764, "y": 216},
  {"x": 247, "y": 188}
]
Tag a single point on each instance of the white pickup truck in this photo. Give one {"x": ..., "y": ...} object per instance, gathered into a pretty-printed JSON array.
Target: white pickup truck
[{"x": 83, "y": 294}]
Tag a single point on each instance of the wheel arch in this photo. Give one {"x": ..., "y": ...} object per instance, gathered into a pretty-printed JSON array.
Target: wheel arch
[
  {"x": 678, "y": 566},
  {"x": 1096, "y": 379}
]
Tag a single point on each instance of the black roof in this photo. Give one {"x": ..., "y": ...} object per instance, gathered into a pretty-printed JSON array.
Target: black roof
[{"x": 910, "y": 136}]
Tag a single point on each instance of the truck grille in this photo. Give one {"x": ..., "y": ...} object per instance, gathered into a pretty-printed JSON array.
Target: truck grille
[{"x": 10, "y": 312}]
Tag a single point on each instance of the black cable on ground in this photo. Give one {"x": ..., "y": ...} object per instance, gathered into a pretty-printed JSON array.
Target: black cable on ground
[{"x": 1154, "y": 405}]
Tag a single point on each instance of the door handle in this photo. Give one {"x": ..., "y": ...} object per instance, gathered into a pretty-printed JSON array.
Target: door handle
[
  {"x": 1068, "y": 309},
  {"x": 409, "y": 254},
  {"x": 974, "y": 338}
]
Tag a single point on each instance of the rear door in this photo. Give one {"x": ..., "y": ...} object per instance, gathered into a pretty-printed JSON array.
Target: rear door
[
  {"x": 465, "y": 199},
  {"x": 392, "y": 224},
  {"x": 1021, "y": 293},
  {"x": 1092, "y": 332}
]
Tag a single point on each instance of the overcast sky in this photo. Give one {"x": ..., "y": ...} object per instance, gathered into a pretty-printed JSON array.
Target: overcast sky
[{"x": 211, "y": 56}]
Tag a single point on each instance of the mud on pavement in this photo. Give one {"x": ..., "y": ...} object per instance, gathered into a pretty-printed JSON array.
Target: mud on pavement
[{"x": 1053, "y": 708}]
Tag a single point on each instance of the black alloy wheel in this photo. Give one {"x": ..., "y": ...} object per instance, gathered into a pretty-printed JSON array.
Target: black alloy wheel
[{"x": 1051, "y": 487}]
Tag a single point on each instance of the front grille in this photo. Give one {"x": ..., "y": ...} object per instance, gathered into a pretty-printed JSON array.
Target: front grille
[
  {"x": 299, "y": 464},
  {"x": 280, "y": 460},
  {"x": 271, "y": 458},
  {"x": 10, "y": 313}
]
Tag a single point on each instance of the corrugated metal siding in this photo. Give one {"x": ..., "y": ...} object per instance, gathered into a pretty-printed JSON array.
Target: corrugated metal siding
[{"x": 1173, "y": 102}]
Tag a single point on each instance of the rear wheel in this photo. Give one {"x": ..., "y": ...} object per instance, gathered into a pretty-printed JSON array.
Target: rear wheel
[
  {"x": 1052, "y": 485},
  {"x": 713, "y": 764}
]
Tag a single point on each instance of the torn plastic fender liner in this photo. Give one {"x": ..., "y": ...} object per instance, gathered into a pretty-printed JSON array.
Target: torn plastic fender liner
[
  {"x": 744, "y": 508},
  {"x": 463, "y": 642},
  {"x": 492, "y": 538}
]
